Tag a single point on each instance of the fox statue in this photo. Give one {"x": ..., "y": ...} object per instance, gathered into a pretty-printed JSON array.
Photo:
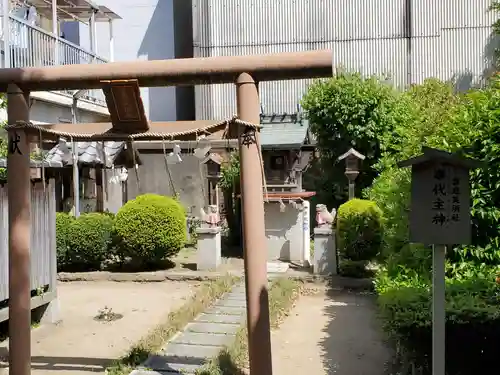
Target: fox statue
[
  {"x": 323, "y": 217},
  {"x": 212, "y": 218}
]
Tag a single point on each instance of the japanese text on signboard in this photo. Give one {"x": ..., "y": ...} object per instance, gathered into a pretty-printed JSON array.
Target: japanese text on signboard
[{"x": 446, "y": 196}]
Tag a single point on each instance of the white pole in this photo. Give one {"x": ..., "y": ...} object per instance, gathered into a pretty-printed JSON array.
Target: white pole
[
  {"x": 76, "y": 172},
  {"x": 55, "y": 31},
  {"x": 306, "y": 235},
  {"x": 111, "y": 42},
  {"x": 76, "y": 181},
  {"x": 54, "y": 17},
  {"x": 92, "y": 33},
  {"x": 6, "y": 32},
  {"x": 438, "y": 310}
]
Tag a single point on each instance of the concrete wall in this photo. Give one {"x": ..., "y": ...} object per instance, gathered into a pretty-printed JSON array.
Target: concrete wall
[
  {"x": 188, "y": 180},
  {"x": 46, "y": 112},
  {"x": 146, "y": 32},
  {"x": 283, "y": 232}
]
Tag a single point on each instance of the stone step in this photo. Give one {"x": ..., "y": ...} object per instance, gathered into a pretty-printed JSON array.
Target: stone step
[
  {"x": 231, "y": 303},
  {"x": 205, "y": 339},
  {"x": 236, "y": 297},
  {"x": 152, "y": 372},
  {"x": 182, "y": 369},
  {"x": 175, "y": 369},
  {"x": 238, "y": 290},
  {"x": 222, "y": 310},
  {"x": 229, "y": 329},
  {"x": 214, "y": 318},
  {"x": 160, "y": 362},
  {"x": 185, "y": 351},
  {"x": 277, "y": 267}
]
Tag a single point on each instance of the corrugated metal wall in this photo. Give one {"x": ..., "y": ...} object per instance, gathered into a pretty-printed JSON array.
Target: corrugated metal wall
[{"x": 408, "y": 40}]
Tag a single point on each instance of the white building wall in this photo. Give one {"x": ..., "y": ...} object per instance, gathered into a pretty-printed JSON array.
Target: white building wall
[{"x": 145, "y": 32}]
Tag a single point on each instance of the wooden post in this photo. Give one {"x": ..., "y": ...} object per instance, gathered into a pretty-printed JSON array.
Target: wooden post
[
  {"x": 254, "y": 238},
  {"x": 438, "y": 310},
  {"x": 99, "y": 189},
  {"x": 19, "y": 198}
]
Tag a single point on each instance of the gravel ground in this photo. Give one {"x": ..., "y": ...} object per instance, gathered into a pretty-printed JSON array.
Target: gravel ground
[
  {"x": 330, "y": 334},
  {"x": 81, "y": 345}
]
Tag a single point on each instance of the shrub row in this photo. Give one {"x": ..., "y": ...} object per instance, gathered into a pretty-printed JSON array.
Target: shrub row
[
  {"x": 145, "y": 231},
  {"x": 472, "y": 319}
]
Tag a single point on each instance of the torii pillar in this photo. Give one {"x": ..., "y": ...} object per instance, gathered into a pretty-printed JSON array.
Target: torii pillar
[
  {"x": 254, "y": 237},
  {"x": 19, "y": 193}
]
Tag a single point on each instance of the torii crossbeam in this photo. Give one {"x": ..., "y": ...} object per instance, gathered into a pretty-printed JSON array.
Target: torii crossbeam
[{"x": 243, "y": 71}]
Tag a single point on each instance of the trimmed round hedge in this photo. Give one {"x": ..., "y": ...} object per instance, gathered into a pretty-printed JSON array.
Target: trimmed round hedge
[
  {"x": 359, "y": 230},
  {"x": 150, "y": 228},
  {"x": 88, "y": 239}
]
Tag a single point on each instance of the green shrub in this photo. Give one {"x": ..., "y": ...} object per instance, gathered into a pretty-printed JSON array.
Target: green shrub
[
  {"x": 391, "y": 192},
  {"x": 150, "y": 228},
  {"x": 63, "y": 223},
  {"x": 354, "y": 268},
  {"x": 89, "y": 238},
  {"x": 359, "y": 229},
  {"x": 472, "y": 319}
]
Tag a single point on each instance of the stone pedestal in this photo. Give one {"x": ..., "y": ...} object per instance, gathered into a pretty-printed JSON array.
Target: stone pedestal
[
  {"x": 325, "y": 251},
  {"x": 209, "y": 248}
]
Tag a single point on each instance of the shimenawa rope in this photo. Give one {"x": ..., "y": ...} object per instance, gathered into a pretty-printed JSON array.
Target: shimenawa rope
[{"x": 21, "y": 125}]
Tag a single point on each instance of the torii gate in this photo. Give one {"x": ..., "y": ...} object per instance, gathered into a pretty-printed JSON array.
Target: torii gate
[{"x": 129, "y": 122}]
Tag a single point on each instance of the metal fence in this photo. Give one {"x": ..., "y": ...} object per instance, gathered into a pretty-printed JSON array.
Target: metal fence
[
  {"x": 31, "y": 46},
  {"x": 43, "y": 239}
]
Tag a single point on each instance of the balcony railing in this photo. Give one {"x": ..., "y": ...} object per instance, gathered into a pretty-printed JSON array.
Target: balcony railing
[{"x": 31, "y": 46}]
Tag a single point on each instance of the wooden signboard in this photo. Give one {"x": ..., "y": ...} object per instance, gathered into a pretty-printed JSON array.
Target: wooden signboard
[
  {"x": 440, "y": 204},
  {"x": 440, "y": 198}
]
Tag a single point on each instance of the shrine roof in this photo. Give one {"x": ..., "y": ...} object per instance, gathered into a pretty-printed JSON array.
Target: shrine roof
[
  {"x": 285, "y": 131},
  {"x": 35, "y": 164},
  {"x": 432, "y": 155},
  {"x": 94, "y": 153}
]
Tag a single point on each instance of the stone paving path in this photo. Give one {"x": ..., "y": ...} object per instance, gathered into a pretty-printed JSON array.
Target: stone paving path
[{"x": 202, "y": 339}]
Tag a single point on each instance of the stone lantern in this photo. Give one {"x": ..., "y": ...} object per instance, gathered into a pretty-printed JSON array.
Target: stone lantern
[
  {"x": 352, "y": 163},
  {"x": 213, "y": 163}
]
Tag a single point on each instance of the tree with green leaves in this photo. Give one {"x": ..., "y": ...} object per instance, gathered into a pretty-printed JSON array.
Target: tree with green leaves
[
  {"x": 430, "y": 108},
  {"x": 348, "y": 110},
  {"x": 230, "y": 185},
  {"x": 468, "y": 124},
  {"x": 495, "y": 7}
]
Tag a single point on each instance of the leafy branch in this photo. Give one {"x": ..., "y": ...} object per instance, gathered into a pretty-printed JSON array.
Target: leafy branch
[{"x": 230, "y": 172}]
